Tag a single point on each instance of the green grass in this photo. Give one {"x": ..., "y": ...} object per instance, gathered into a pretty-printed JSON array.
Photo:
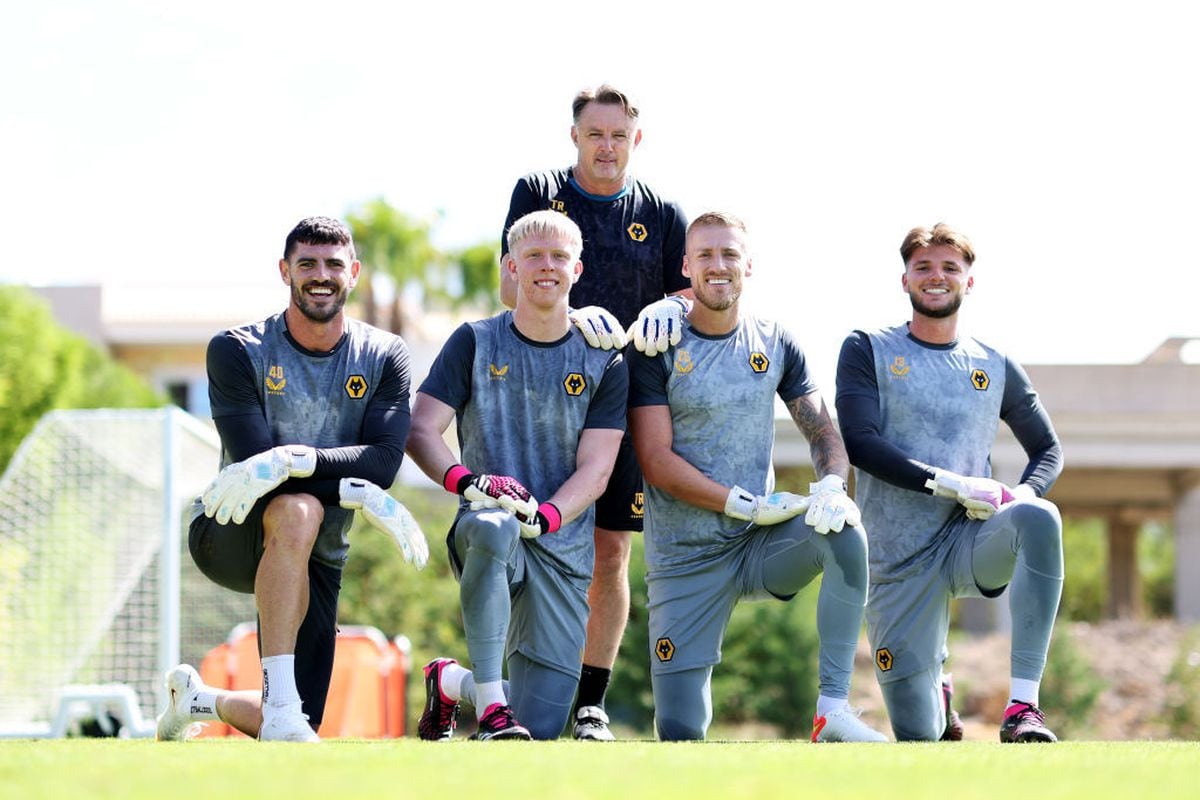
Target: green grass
[{"x": 559, "y": 770}]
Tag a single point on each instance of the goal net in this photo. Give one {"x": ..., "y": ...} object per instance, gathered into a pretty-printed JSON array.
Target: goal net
[{"x": 96, "y": 585}]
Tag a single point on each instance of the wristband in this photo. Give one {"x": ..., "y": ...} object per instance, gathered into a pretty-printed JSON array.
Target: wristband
[
  {"x": 456, "y": 479},
  {"x": 549, "y": 517}
]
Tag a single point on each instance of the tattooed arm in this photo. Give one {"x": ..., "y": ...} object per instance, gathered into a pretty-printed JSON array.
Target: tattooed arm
[{"x": 812, "y": 418}]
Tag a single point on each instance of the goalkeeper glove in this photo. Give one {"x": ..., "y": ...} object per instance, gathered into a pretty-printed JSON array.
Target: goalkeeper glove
[
  {"x": 547, "y": 519},
  {"x": 490, "y": 491},
  {"x": 660, "y": 325},
  {"x": 238, "y": 487},
  {"x": 764, "y": 510},
  {"x": 830, "y": 508},
  {"x": 981, "y": 497},
  {"x": 600, "y": 328},
  {"x": 388, "y": 515}
]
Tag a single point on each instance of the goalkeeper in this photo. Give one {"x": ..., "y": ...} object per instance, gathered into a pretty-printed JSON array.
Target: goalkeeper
[
  {"x": 632, "y": 256},
  {"x": 703, "y": 419},
  {"x": 540, "y": 416},
  {"x": 312, "y": 411},
  {"x": 918, "y": 405}
]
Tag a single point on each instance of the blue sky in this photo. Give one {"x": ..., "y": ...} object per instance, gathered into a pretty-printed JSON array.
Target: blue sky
[{"x": 177, "y": 143}]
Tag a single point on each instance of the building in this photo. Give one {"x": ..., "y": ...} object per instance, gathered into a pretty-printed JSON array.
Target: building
[
  {"x": 1131, "y": 441},
  {"x": 1130, "y": 432},
  {"x": 162, "y": 332}
]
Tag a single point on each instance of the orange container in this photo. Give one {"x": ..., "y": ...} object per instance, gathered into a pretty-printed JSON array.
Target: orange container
[{"x": 366, "y": 692}]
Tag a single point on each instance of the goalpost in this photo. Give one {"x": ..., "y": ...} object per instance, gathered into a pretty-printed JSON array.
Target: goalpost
[{"x": 94, "y": 570}]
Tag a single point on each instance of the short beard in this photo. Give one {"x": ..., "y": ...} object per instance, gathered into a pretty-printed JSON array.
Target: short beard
[
  {"x": 724, "y": 304},
  {"x": 936, "y": 313},
  {"x": 319, "y": 314}
]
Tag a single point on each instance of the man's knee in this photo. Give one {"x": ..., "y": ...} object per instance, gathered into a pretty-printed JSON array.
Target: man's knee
[
  {"x": 674, "y": 728},
  {"x": 1039, "y": 535},
  {"x": 913, "y": 718},
  {"x": 491, "y": 534},
  {"x": 612, "y": 552},
  {"x": 547, "y": 722},
  {"x": 292, "y": 521},
  {"x": 917, "y": 730},
  {"x": 915, "y": 708},
  {"x": 541, "y": 696},
  {"x": 1037, "y": 517},
  {"x": 682, "y": 704}
]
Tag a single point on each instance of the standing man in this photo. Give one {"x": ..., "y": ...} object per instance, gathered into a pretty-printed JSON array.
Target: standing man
[
  {"x": 918, "y": 406},
  {"x": 632, "y": 251},
  {"x": 702, "y": 415},
  {"x": 536, "y": 407},
  {"x": 312, "y": 411}
]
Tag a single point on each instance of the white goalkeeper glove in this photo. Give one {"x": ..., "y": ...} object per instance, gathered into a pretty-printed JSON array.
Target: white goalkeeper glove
[
  {"x": 764, "y": 510},
  {"x": 600, "y": 328},
  {"x": 830, "y": 508},
  {"x": 238, "y": 487},
  {"x": 660, "y": 325},
  {"x": 388, "y": 515},
  {"x": 981, "y": 497},
  {"x": 490, "y": 491},
  {"x": 547, "y": 519}
]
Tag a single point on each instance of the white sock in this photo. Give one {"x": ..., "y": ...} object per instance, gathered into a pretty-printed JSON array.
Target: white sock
[
  {"x": 279, "y": 681},
  {"x": 487, "y": 695},
  {"x": 204, "y": 705},
  {"x": 452, "y": 680},
  {"x": 466, "y": 689},
  {"x": 827, "y": 705},
  {"x": 1024, "y": 690}
]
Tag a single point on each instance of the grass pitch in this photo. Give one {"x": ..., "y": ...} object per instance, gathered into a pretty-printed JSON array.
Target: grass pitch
[{"x": 407, "y": 768}]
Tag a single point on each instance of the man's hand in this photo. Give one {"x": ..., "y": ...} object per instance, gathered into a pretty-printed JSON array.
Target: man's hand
[
  {"x": 660, "y": 325},
  {"x": 764, "y": 510},
  {"x": 492, "y": 491},
  {"x": 238, "y": 487},
  {"x": 830, "y": 508},
  {"x": 547, "y": 519},
  {"x": 981, "y": 497},
  {"x": 600, "y": 328},
  {"x": 388, "y": 515}
]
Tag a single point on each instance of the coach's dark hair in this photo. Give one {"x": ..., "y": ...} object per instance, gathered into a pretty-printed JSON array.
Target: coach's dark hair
[
  {"x": 606, "y": 95},
  {"x": 940, "y": 234},
  {"x": 318, "y": 230}
]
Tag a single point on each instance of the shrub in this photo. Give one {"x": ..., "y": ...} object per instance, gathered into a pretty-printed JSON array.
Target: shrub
[
  {"x": 1085, "y": 589},
  {"x": 1182, "y": 709},
  {"x": 1071, "y": 686}
]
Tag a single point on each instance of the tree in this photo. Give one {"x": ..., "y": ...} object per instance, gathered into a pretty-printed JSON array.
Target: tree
[
  {"x": 391, "y": 243},
  {"x": 43, "y": 367},
  {"x": 479, "y": 267}
]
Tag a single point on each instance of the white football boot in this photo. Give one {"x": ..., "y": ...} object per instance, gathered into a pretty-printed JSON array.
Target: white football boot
[
  {"x": 286, "y": 724},
  {"x": 175, "y": 724},
  {"x": 591, "y": 724},
  {"x": 844, "y": 725}
]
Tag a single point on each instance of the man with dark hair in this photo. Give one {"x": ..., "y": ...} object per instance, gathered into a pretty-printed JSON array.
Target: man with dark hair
[
  {"x": 312, "y": 410},
  {"x": 703, "y": 420},
  {"x": 632, "y": 254},
  {"x": 918, "y": 405},
  {"x": 540, "y": 416}
]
